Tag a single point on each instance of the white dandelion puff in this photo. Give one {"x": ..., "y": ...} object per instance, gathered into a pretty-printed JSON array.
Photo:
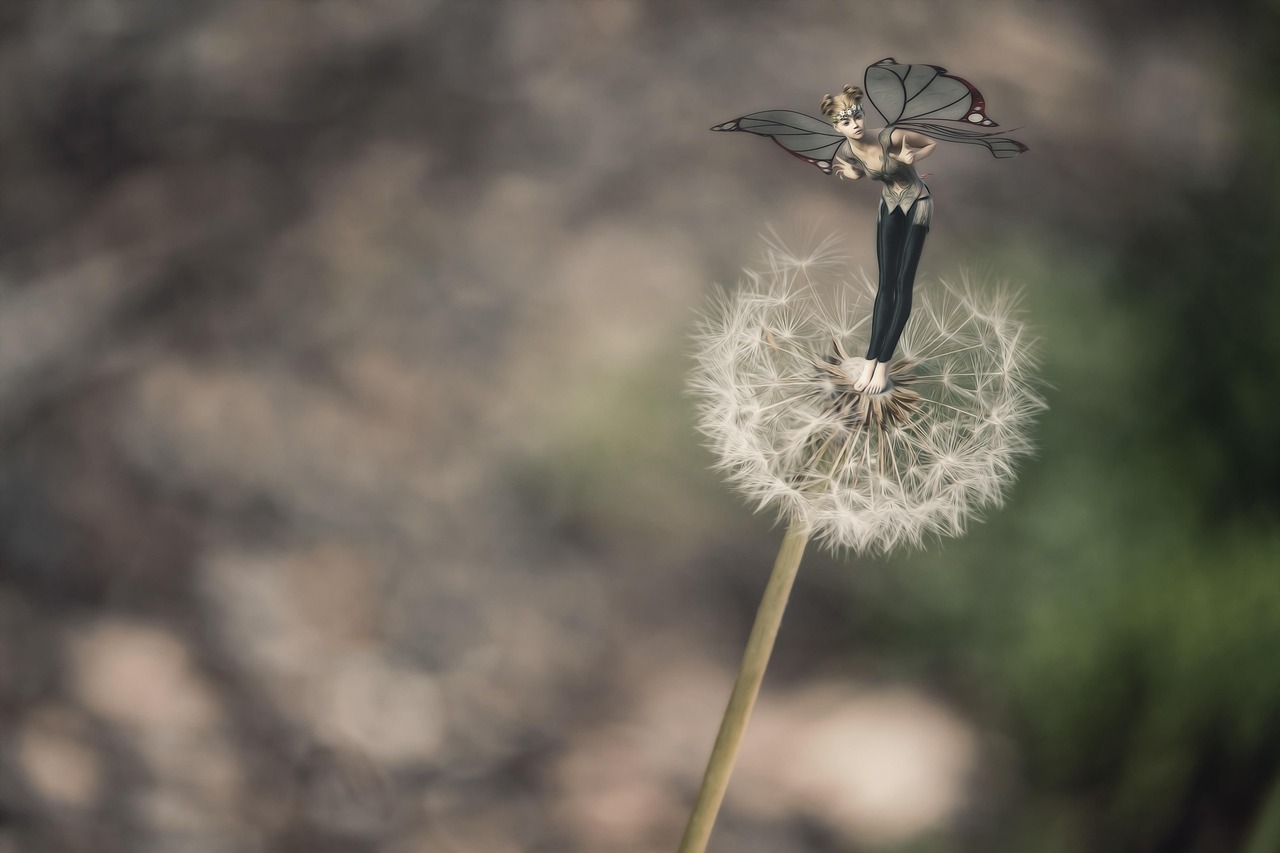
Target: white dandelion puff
[{"x": 774, "y": 383}]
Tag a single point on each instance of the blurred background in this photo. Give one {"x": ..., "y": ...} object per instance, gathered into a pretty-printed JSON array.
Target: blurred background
[{"x": 350, "y": 500}]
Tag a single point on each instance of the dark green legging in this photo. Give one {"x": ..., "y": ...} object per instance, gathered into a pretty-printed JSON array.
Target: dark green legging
[{"x": 899, "y": 242}]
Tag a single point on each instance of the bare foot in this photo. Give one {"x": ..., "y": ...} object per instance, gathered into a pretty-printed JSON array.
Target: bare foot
[
  {"x": 880, "y": 380},
  {"x": 867, "y": 370}
]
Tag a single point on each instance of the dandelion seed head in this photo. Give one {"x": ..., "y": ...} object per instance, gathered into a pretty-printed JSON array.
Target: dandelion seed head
[{"x": 775, "y": 368}]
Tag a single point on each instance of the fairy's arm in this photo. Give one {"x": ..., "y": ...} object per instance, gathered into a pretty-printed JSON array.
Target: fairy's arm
[{"x": 910, "y": 146}]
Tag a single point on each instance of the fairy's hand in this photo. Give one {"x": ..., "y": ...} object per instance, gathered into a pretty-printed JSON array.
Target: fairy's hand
[
  {"x": 906, "y": 155},
  {"x": 844, "y": 169}
]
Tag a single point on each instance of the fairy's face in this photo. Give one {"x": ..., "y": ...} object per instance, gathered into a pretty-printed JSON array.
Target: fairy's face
[{"x": 849, "y": 122}]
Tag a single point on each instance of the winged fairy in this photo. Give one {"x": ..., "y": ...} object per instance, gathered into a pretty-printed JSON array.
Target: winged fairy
[{"x": 921, "y": 104}]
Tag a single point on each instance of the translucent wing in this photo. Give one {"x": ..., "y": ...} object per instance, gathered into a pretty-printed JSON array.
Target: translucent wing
[
  {"x": 1000, "y": 146},
  {"x": 811, "y": 139},
  {"x": 923, "y": 92},
  {"x": 927, "y": 99}
]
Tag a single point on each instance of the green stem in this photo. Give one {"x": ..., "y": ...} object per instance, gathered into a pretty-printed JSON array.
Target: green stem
[{"x": 745, "y": 689}]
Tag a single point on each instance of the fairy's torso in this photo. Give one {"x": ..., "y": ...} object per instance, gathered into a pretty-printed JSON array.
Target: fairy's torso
[{"x": 902, "y": 184}]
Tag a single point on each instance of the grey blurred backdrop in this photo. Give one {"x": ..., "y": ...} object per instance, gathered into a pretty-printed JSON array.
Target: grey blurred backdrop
[{"x": 349, "y": 499}]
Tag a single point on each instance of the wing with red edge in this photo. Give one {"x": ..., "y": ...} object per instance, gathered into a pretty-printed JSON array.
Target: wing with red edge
[
  {"x": 927, "y": 99},
  {"x": 923, "y": 92},
  {"x": 810, "y": 139}
]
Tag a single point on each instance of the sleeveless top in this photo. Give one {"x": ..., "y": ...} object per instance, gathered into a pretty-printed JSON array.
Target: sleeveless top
[{"x": 902, "y": 185}]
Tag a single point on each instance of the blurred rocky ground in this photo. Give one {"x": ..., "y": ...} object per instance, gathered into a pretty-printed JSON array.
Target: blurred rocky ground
[{"x": 348, "y": 497}]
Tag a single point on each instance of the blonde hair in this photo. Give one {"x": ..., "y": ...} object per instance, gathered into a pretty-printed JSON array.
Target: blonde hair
[{"x": 848, "y": 98}]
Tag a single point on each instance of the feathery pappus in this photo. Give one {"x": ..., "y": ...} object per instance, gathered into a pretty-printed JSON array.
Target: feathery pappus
[{"x": 871, "y": 472}]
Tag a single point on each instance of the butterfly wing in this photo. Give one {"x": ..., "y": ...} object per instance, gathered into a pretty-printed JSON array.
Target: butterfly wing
[
  {"x": 1001, "y": 147},
  {"x": 927, "y": 99},
  {"x": 923, "y": 92},
  {"x": 803, "y": 136}
]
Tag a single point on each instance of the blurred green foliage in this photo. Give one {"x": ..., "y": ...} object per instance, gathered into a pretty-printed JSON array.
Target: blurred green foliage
[{"x": 1121, "y": 619}]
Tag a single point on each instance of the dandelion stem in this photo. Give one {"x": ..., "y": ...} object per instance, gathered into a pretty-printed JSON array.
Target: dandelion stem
[{"x": 745, "y": 689}]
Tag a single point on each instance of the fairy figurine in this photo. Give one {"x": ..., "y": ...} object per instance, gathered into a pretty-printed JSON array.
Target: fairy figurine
[{"x": 920, "y": 104}]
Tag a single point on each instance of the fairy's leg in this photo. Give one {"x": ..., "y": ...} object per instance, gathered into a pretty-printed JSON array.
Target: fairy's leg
[
  {"x": 911, "y": 248},
  {"x": 890, "y": 231},
  {"x": 881, "y": 311}
]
